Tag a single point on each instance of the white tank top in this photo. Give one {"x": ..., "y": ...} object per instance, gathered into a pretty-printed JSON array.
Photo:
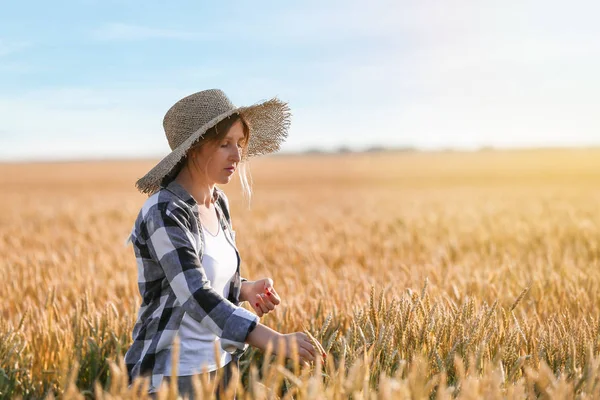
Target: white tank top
[{"x": 197, "y": 343}]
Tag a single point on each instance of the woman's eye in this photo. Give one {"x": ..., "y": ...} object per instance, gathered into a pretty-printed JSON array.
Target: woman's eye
[{"x": 224, "y": 145}]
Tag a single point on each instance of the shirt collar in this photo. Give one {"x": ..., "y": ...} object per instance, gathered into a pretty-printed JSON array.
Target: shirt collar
[{"x": 179, "y": 191}]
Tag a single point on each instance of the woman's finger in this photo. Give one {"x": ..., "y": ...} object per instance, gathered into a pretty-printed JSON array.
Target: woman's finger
[
  {"x": 272, "y": 295},
  {"x": 257, "y": 307},
  {"x": 258, "y": 311},
  {"x": 267, "y": 301},
  {"x": 305, "y": 355},
  {"x": 306, "y": 344},
  {"x": 260, "y": 303}
]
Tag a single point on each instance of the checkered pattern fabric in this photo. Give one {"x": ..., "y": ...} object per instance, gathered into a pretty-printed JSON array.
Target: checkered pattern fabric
[{"x": 168, "y": 243}]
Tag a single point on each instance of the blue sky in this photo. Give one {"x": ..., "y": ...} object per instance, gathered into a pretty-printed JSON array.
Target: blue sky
[{"x": 93, "y": 79}]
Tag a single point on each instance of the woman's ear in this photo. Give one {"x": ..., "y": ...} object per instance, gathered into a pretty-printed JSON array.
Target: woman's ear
[{"x": 196, "y": 150}]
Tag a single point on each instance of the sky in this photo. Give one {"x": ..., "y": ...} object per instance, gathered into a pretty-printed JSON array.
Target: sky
[{"x": 94, "y": 78}]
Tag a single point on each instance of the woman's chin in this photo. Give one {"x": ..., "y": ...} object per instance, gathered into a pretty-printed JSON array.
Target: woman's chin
[{"x": 225, "y": 180}]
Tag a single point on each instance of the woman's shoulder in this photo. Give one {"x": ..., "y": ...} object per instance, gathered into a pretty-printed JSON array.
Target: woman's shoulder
[
  {"x": 164, "y": 204},
  {"x": 161, "y": 210}
]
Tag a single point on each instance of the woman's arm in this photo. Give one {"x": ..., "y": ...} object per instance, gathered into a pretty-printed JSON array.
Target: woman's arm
[{"x": 168, "y": 241}]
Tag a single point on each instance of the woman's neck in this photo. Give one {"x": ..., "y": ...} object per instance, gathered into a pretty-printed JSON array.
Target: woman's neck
[{"x": 196, "y": 186}]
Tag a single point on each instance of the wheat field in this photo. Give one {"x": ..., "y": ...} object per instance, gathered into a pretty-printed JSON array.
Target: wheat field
[{"x": 424, "y": 275}]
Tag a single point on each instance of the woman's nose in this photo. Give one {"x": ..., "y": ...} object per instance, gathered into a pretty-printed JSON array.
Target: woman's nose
[{"x": 236, "y": 154}]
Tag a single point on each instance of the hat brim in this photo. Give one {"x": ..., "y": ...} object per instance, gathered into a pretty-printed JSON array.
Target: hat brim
[{"x": 268, "y": 121}]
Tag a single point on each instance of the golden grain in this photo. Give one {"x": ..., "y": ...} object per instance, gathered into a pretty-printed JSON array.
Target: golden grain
[{"x": 346, "y": 240}]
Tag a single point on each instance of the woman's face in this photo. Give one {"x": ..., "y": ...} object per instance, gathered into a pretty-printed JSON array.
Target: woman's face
[{"x": 218, "y": 161}]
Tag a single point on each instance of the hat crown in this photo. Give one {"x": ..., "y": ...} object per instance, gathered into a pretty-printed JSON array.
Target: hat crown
[{"x": 193, "y": 112}]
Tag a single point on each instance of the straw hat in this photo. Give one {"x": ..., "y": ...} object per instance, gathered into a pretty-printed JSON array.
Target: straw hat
[{"x": 190, "y": 118}]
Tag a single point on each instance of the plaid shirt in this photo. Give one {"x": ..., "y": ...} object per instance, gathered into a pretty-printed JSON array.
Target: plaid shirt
[{"x": 168, "y": 243}]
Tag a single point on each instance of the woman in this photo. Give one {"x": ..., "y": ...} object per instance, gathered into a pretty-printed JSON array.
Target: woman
[{"x": 188, "y": 265}]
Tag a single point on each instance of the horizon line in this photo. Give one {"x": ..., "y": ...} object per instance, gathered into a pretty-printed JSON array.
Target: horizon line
[{"x": 341, "y": 150}]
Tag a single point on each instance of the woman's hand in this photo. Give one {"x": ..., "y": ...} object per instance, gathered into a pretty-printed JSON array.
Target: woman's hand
[
  {"x": 263, "y": 337},
  {"x": 261, "y": 295},
  {"x": 307, "y": 349}
]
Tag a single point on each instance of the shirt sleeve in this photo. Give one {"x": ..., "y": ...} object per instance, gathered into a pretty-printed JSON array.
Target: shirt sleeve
[{"x": 172, "y": 244}]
